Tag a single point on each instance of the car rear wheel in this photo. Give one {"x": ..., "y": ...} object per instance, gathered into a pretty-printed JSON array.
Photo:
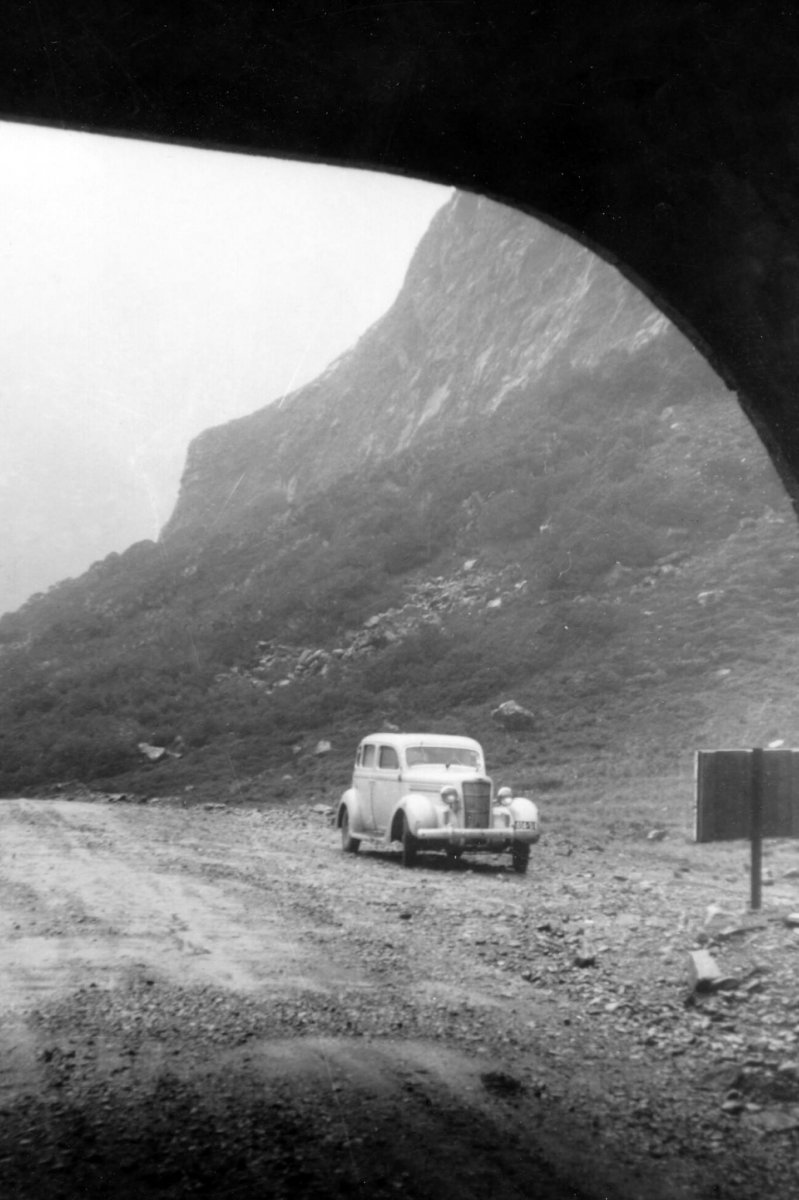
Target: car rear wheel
[
  {"x": 409, "y": 844},
  {"x": 521, "y": 859},
  {"x": 349, "y": 843}
]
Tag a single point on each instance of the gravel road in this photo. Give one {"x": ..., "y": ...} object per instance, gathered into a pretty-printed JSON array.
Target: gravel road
[{"x": 217, "y": 1002}]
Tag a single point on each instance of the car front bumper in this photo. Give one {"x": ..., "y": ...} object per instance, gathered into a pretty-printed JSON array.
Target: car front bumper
[{"x": 478, "y": 839}]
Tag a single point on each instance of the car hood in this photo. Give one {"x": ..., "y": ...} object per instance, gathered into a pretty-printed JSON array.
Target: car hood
[{"x": 432, "y": 777}]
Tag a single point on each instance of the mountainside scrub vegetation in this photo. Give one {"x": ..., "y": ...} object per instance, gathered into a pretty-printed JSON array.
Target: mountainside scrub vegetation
[
  {"x": 522, "y": 482},
  {"x": 601, "y": 523}
]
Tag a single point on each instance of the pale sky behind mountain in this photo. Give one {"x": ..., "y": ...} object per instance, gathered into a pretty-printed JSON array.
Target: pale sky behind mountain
[{"x": 149, "y": 291}]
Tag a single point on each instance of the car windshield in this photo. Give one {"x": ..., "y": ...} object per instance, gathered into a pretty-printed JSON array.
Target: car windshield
[{"x": 443, "y": 756}]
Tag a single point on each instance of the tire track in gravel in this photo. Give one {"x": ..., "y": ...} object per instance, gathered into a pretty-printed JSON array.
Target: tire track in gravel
[{"x": 96, "y": 898}]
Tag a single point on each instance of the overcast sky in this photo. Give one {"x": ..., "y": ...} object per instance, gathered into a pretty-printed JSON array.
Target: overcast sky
[{"x": 150, "y": 291}]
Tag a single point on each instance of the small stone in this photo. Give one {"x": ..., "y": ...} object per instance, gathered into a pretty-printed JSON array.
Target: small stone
[
  {"x": 774, "y": 1120},
  {"x": 727, "y": 983},
  {"x": 703, "y": 971},
  {"x": 792, "y": 919},
  {"x": 656, "y": 835},
  {"x": 716, "y": 917},
  {"x": 585, "y": 956}
]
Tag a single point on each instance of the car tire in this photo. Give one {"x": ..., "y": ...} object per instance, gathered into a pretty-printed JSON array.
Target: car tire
[
  {"x": 349, "y": 844},
  {"x": 409, "y": 844},
  {"x": 521, "y": 859}
]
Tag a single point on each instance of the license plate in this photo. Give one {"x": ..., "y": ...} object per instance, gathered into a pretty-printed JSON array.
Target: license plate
[{"x": 524, "y": 825}]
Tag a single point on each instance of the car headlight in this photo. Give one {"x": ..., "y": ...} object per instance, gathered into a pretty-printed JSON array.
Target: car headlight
[{"x": 451, "y": 798}]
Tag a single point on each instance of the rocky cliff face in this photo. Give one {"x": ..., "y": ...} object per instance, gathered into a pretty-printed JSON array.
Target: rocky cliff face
[{"x": 494, "y": 306}]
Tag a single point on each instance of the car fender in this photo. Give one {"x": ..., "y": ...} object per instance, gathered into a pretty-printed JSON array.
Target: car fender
[
  {"x": 351, "y": 800},
  {"x": 421, "y": 812},
  {"x": 523, "y": 809}
]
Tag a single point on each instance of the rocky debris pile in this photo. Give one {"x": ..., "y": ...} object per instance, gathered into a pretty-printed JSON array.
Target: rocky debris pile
[{"x": 469, "y": 589}]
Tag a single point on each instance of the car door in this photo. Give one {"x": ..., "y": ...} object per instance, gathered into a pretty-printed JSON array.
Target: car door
[
  {"x": 386, "y": 787},
  {"x": 364, "y": 783}
]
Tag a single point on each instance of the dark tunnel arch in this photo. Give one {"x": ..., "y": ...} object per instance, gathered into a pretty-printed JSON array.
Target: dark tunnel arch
[{"x": 663, "y": 137}]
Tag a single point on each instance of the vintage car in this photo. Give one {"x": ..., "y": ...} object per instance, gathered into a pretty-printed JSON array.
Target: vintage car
[{"x": 430, "y": 791}]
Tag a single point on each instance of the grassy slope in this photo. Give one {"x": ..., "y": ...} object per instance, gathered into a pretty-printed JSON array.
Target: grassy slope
[{"x": 613, "y": 505}]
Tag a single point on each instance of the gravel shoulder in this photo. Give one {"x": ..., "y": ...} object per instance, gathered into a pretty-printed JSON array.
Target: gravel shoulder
[{"x": 218, "y": 1002}]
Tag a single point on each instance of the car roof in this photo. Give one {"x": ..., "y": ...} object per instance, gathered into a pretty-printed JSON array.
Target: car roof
[{"x": 423, "y": 739}]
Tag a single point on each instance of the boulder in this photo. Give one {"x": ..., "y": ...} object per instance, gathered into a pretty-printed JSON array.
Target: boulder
[
  {"x": 513, "y": 716},
  {"x": 153, "y": 753}
]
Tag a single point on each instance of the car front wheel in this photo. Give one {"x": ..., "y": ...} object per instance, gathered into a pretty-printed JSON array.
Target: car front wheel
[
  {"x": 349, "y": 843},
  {"x": 521, "y": 859},
  {"x": 409, "y": 844}
]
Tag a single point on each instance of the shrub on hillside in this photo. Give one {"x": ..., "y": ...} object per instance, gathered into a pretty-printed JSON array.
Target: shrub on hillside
[
  {"x": 512, "y": 514},
  {"x": 410, "y": 661},
  {"x": 86, "y": 757}
]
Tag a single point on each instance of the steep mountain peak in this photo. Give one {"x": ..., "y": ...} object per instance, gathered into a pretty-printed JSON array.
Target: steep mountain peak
[{"x": 494, "y": 303}]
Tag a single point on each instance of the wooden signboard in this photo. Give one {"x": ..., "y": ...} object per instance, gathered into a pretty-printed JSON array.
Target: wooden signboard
[{"x": 747, "y": 794}]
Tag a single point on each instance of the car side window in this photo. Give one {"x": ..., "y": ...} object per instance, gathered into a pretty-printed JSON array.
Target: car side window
[
  {"x": 388, "y": 758},
  {"x": 369, "y": 756}
]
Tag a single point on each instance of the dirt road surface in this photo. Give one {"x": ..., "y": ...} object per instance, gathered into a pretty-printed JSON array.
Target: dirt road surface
[{"x": 219, "y": 1003}]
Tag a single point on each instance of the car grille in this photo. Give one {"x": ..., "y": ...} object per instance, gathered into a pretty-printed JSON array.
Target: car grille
[{"x": 476, "y": 804}]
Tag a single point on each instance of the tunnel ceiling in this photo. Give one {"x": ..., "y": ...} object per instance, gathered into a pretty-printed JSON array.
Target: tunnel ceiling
[{"x": 664, "y": 136}]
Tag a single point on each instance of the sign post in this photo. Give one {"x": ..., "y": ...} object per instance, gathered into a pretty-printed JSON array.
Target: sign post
[
  {"x": 747, "y": 795},
  {"x": 756, "y": 828}
]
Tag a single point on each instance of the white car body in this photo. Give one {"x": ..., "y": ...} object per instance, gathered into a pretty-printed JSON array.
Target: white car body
[{"x": 430, "y": 791}]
